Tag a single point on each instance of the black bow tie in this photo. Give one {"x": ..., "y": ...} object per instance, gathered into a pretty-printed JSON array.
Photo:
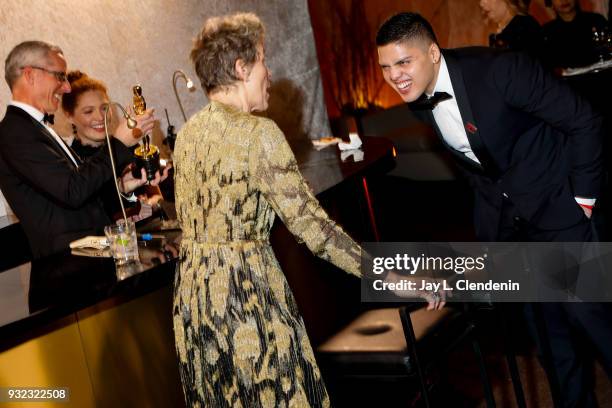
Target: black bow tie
[
  {"x": 429, "y": 103},
  {"x": 48, "y": 118}
]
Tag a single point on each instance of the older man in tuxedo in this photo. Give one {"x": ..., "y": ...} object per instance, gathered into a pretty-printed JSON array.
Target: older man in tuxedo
[
  {"x": 531, "y": 150},
  {"x": 53, "y": 193}
]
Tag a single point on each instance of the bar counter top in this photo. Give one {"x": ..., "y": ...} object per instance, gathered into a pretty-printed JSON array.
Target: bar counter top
[
  {"x": 40, "y": 291},
  {"x": 35, "y": 293}
]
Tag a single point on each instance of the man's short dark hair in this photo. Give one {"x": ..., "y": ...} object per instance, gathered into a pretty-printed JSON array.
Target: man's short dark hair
[{"x": 405, "y": 27}]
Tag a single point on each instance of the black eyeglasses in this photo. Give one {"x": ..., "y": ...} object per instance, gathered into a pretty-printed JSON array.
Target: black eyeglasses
[{"x": 60, "y": 76}]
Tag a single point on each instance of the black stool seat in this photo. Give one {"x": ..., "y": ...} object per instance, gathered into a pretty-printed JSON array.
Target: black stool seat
[{"x": 374, "y": 344}]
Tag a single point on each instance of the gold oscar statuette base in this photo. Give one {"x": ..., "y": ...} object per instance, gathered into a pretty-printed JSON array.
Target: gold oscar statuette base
[{"x": 148, "y": 160}]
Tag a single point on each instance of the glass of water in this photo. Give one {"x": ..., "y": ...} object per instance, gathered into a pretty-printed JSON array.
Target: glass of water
[{"x": 123, "y": 243}]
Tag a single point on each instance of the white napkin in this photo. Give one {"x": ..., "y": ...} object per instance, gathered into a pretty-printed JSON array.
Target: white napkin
[
  {"x": 92, "y": 252},
  {"x": 325, "y": 142},
  {"x": 353, "y": 144},
  {"x": 356, "y": 153},
  {"x": 599, "y": 65},
  {"x": 90, "y": 241},
  {"x": 4, "y": 207}
]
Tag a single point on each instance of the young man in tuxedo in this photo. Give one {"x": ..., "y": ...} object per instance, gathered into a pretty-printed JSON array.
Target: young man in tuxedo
[
  {"x": 531, "y": 150},
  {"x": 53, "y": 193}
]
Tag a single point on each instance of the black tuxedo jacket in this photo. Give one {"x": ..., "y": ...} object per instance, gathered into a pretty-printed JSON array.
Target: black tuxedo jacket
[
  {"x": 539, "y": 144},
  {"x": 56, "y": 202}
]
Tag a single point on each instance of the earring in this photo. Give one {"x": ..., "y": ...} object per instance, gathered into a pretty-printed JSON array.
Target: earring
[{"x": 74, "y": 130}]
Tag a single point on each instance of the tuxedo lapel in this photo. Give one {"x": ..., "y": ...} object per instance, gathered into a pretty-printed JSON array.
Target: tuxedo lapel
[
  {"x": 469, "y": 123},
  {"x": 462, "y": 158},
  {"x": 78, "y": 158},
  {"x": 45, "y": 133},
  {"x": 426, "y": 115},
  {"x": 74, "y": 154},
  {"x": 57, "y": 147}
]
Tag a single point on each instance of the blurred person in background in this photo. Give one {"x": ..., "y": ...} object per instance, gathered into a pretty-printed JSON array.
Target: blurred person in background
[
  {"x": 515, "y": 29},
  {"x": 569, "y": 38}
]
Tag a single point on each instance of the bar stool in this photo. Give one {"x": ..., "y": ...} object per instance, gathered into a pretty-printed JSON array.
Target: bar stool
[{"x": 401, "y": 343}]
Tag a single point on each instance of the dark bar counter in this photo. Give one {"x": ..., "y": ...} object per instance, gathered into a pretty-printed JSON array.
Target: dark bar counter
[
  {"x": 84, "y": 323},
  {"x": 64, "y": 283}
]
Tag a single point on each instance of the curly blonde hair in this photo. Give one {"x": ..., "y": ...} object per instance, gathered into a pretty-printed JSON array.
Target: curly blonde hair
[{"x": 222, "y": 41}]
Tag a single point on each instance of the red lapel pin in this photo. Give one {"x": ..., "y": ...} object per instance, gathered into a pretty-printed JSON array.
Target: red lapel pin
[{"x": 469, "y": 126}]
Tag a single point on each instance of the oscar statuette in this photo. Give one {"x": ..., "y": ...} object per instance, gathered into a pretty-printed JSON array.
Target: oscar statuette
[{"x": 146, "y": 154}]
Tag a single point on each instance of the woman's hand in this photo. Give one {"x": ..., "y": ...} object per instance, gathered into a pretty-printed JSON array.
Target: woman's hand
[
  {"x": 144, "y": 125},
  {"x": 436, "y": 299},
  {"x": 130, "y": 183},
  {"x": 161, "y": 177}
]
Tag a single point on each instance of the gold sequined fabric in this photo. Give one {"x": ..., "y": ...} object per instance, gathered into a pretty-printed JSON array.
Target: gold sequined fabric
[{"x": 240, "y": 339}]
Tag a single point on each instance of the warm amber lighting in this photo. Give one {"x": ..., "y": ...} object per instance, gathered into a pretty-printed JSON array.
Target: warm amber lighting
[
  {"x": 394, "y": 152},
  {"x": 362, "y": 100},
  {"x": 366, "y": 192}
]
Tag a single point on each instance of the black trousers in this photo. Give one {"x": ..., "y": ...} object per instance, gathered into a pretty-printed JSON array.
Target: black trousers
[{"x": 563, "y": 332}]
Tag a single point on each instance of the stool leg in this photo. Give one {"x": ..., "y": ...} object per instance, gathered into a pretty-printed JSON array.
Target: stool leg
[
  {"x": 516, "y": 378},
  {"x": 511, "y": 360},
  {"x": 484, "y": 376},
  {"x": 546, "y": 354},
  {"x": 411, "y": 344},
  {"x": 486, "y": 384}
]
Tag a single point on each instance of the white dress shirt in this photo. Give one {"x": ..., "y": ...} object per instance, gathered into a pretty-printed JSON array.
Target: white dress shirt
[
  {"x": 448, "y": 117},
  {"x": 38, "y": 116}
]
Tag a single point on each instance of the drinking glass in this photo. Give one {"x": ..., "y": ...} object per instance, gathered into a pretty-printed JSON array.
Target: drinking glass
[{"x": 123, "y": 243}]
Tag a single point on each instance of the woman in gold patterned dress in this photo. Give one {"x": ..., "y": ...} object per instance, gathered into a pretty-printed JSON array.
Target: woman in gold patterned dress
[{"x": 240, "y": 339}]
